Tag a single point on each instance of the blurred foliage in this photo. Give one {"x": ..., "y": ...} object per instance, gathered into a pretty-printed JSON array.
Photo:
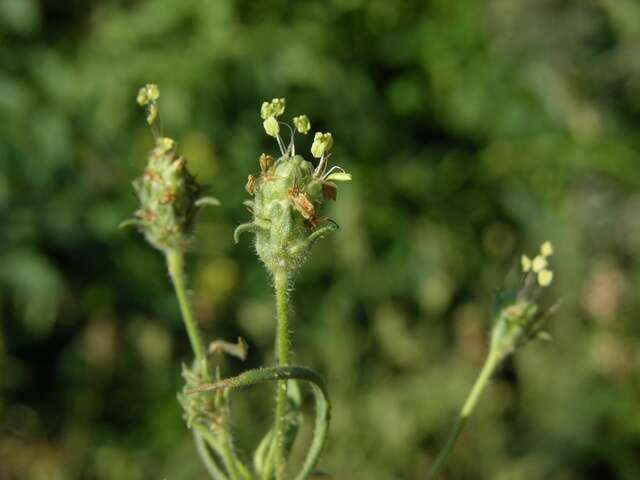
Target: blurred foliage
[{"x": 474, "y": 130}]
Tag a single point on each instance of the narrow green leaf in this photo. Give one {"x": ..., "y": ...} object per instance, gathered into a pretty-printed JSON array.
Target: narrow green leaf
[{"x": 292, "y": 372}]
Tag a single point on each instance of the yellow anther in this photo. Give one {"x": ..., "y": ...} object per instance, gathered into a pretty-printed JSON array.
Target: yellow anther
[
  {"x": 148, "y": 94},
  {"x": 545, "y": 277},
  {"x": 271, "y": 126},
  {"x": 165, "y": 143},
  {"x": 275, "y": 108},
  {"x": 153, "y": 92},
  {"x": 322, "y": 142},
  {"x": 539, "y": 263},
  {"x": 302, "y": 124},
  {"x": 152, "y": 113},
  {"x": 526, "y": 263},
  {"x": 546, "y": 250}
]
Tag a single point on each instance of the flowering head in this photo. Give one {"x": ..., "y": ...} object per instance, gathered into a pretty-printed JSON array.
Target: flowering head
[
  {"x": 519, "y": 315},
  {"x": 288, "y": 194},
  {"x": 169, "y": 194}
]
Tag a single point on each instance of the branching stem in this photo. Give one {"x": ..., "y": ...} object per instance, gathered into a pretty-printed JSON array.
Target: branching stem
[{"x": 493, "y": 359}]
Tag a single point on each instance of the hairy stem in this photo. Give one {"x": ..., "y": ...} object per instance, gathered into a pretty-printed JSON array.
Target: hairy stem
[
  {"x": 175, "y": 264},
  {"x": 282, "y": 350},
  {"x": 205, "y": 455},
  {"x": 278, "y": 374},
  {"x": 493, "y": 359},
  {"x": 228, "y": 456}
]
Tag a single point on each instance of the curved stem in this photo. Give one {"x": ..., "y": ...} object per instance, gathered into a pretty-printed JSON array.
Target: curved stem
[
  {"x": 281, "y": 281},
  {"x": 279, "y": 374},
  {"x": 175, "y": 264},
  {"x": 467, "y": 409}
]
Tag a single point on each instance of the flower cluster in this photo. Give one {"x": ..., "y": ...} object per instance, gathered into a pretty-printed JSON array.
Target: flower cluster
[
  {"x": 169, "y": 194},
  {"x": 289, "y": 192},
  {"x": 519, "y": 315},
  {"x": 539, "y": 265}
]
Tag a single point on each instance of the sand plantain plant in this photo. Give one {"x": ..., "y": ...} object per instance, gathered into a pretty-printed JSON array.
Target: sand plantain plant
[
  {"x": 288, "y": 195},
  {"x": 518, "y": 319}
]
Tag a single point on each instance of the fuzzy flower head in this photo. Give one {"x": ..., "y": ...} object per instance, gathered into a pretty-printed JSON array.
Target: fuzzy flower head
[
  {"x": 289, "y": 193},
  {"x": 169, "y": 194},
  {"x": 519, "y": 314}
]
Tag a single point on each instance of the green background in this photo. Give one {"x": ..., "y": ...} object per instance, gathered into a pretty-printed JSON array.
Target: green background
[{"x": 474, "y": 131}]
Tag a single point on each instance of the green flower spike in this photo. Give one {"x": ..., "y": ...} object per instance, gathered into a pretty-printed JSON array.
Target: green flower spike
[
  {"x": 519, "y": 318},
  {"x": 288, "y": 195},
  {"x": 169, "y": 194}
]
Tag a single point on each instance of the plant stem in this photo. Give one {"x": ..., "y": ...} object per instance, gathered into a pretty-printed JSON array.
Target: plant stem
[
  {"x": 210, "y": 464},
  {"x": 175, "y": 264},
  {"x": 281, "y": 281},
  {"x": 228, "y": 456},
  {"x": 492, "y": 361}
]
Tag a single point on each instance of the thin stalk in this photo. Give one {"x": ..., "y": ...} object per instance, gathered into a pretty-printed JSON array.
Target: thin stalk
[
  {"x": 493, "y": 359},
  {"x": 175, "y": 264},
  {"x": 281, "y": 280},
  {"x": 228, "y": 456},
  {"x": 222, "y": 448},
  {"x": 205, "y": 455}
]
